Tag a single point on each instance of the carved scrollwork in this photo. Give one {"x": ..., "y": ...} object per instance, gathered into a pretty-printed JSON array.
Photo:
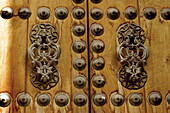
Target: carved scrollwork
[
  {"x": 132, "y": 55},
  {"x": 44, "y": 54}
]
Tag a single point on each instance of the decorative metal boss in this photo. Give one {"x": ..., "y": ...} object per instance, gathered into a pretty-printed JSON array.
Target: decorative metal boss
[
  {"x": 132, "y": 55},
  {"x": 44, "y": 54}
]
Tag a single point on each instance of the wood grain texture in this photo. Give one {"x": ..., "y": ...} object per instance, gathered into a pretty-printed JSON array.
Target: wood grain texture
[
  {"x": 13, "y": 55},
  {"x": 67, "y": 72},
  {"x": 157, "y": 32}
]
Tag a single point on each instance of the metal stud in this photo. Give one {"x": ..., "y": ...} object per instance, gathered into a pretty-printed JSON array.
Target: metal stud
[
  {"x": 168, "y": 98},
  {"x": 99, "y": 99},
  {"x": 117, "y": 99},
  {"x": 43, "y": 13},
  {"x": 43, "y": 99},
  {"x": 135, "y": 99},
  {"x": 165, "y": 13},
  {"x": 97, "y": 46},
  {"x": 78, "y": 1},
  {"x": 98, "y": 63},
  {"x": 98, "y": 81},
  {"x": 80, "y": 99},
  {"x": 7, "y": 12},
  {"x": 61, "y": 100},
  {"x": 78, "y": 30},
  {"x": 96, "y": 13},
  {"x": 149, "y": 13},
  {"x": 24, "y": 100},
  {"x": 97, "y": 29},
  {"x": 61, "y": 13},
  {"x": 79, "y": 46},
  {"x": 80, "y": 81},
  {"x": 79, "y": 64},
  {"x": 5, "y": 100},
  {"x": 24, "y": 13},
  {"x": 78, "y": 13},
  {"x": 113, "y": 13},
  {"x": 155, "y": 98},
  {"x": 130, "y": 13},
  {"x": 96, "y": 1}
]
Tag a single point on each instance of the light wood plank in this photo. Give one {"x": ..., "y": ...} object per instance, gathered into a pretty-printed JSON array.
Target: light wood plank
[
  {"x": 157, "y": 32},
  {"x": 13, "y": 48}
]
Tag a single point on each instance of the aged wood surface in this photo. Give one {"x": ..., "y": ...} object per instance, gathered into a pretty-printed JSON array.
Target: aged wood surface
[
  {"x": 16, "y": 64},
  {"x": 67, "y": 72},
  {"x": 157, "y": 32},
  {"x": 13, "y": 42}
]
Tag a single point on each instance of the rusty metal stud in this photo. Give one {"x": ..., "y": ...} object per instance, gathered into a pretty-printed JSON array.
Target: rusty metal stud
[
  {"x": 61, "y": 100},
  {"x": 165, "y": 13},
  {"x": 98, "y": 63},
  {"x": 168, "y": 98},
  {"x": 117, "y": 99},
  {"x": 7, "y": 12},
  {"x": 97, "y": 46},
  {"x": 78, "y": 13},
  {"x": 130, "y": 13},
  {"x": 99, "y": 99},
  {"x": 98, "y": 81},
  {"x": 24, "y": 13},
  {"x": 43, "y": 99},
  {"x": 78, "y": 1},
  {"x": 113, "y": 13},
  {"x": 61, "y": 13},
  {"x": 79, "y": 64},
  {"x": 79, "y": 46},
  {"x": 149, "y": 13},
  {"x": 135, "y": 99},
  {"x": 80, "y": 81},
  {"x": 24, "y": 100},
  {"x": 78, "y": 30},
  {"x": 96, "y": 13},
  {"x": 5, "y": 100},
  {"x": 96, "y": 1},
  {"x": 97, "y": 29},
  {"x": 80, "y": 99},
  {"x": 43, "y": 13},
  {"x": 155, "y": 98}
]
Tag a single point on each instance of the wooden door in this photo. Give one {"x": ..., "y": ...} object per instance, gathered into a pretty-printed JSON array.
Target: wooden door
[
  {"x": 18, "y": 47},
  {"x": 84, "y": 56},
  {"x": 114, "y": 30}
]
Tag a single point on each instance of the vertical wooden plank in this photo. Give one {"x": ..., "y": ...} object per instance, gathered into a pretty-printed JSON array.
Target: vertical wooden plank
[
  {"x": 112, "y": 64},
  {"x": 157, "y": 32},
  {"x": 65, "y": 67},
  {"x": 13, "y": 47}
]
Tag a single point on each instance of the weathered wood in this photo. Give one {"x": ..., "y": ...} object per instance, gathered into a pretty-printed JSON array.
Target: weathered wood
[
  {"x": 13, "y": 46},
  {"x": 157, "y": 33},
  {"x": 65, "y": 67},
  {"x": 157, "y": 64}
]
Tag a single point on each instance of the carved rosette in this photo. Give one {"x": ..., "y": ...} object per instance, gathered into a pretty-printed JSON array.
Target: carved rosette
[
  {"x": 44, "y": 54},
  {"x": 132, "y": 55}
]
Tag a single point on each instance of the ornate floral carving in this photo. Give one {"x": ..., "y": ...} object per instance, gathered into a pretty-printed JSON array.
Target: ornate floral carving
[
  {"x": 133, "y": 55},
  {"x": 44, "y": 54}
]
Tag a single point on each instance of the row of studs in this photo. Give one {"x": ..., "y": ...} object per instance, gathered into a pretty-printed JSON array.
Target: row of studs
[
  {"x": 135, "y": 99},
  {"x": 99, "y": 99},
  {"x": 43, "y": 13},
  {"x": 43, "y": 99},
  {"x": 130, "y": 13},
  {"x": 79, "y": 13}
]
